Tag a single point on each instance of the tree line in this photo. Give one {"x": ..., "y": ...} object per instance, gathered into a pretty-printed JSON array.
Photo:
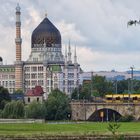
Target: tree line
[
  {"x": 57, "y": 106},
  {"x": 99, "y": 86}
]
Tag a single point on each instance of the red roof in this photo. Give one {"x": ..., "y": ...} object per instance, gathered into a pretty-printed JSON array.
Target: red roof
[{"x": 37, "y": 91}]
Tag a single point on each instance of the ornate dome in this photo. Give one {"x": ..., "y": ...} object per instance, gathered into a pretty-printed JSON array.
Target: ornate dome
[
  {"x": 1, "y": 59},
  {"x": 46, "y": 32}
]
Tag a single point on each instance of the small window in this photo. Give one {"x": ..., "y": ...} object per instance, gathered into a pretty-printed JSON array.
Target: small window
[
  {"x": 37, "y": 99},
  {"x": 28, "y": 99},
  {"x": 126, "y": 98},
  {"x": 109, "y": 98},
  {"x": 118, "y": 98}
]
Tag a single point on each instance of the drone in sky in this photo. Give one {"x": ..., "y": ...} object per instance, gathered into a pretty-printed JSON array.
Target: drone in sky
[{"x": 133, "y": 22}]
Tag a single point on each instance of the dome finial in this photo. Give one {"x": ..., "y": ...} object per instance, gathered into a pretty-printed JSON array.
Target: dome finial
[
  {"x": 18, "y": 7},
  {"x": 46, "y": 15}
]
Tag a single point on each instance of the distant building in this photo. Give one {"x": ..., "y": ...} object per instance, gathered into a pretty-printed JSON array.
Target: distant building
[
  {"x": 111, "y": 75},
  {"x": 35, "y": 94}
]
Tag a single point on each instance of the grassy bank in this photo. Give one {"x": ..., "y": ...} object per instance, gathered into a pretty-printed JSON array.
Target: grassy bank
[{"x": 66, "y": 129}]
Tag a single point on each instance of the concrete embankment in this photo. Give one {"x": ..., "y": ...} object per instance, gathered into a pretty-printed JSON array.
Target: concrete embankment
[
  {"x": 22, "y": 121},
  {"x": 94, "y": 137}
]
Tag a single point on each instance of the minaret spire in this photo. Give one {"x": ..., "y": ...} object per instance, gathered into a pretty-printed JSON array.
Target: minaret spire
[
  {"x": 18, "y": 62},
  {"x": 66, "y": 57},
  {"x": 75, "y": 56},
  {"x": 69, "y": 53}
]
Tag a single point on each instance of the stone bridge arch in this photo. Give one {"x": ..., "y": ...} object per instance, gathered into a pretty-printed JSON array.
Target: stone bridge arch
[
  {"x": 104, "y": 114},
  {"x": 96, "y": 107},
  {"x": 83, "y": 110}
]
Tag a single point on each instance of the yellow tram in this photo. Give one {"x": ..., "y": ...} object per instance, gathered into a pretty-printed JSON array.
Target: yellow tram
[{"x": 122, "y": 98}]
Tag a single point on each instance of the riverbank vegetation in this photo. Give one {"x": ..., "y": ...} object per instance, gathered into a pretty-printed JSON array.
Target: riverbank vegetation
[
  {"x": 56, "y": 107},
  {"x": 61, "y": 128}
]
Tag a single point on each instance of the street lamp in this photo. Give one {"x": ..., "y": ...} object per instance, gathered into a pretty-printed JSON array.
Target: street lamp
[
  {"x": 85, "y": 109},
  {"x": 107, "y": 114},
  {"x": 116, "y": 86}
]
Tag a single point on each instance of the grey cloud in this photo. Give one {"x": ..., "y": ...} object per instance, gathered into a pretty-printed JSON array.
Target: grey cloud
[{"x": 101, "y": 22}]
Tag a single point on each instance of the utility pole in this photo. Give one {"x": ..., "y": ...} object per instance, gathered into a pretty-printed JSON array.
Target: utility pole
[
  {"x": 116, "y": 86},
  {"x": 132, "y": 75},
  {"x": 91, "y": 90}
]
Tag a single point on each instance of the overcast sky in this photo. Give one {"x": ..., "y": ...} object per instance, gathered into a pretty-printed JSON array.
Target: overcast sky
[{"x": 97, "y": 27}]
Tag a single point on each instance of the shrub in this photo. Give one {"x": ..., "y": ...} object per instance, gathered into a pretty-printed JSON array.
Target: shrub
[
  {"x": 13, "y": 110},
  {"x": 57, "y": 106},
  {"x": 127, "y": 118},
  {"x": 35, "y": 110}
]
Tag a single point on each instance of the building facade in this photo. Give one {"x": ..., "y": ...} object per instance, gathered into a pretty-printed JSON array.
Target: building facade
[
  {"x": 46, "y": 66},
  {"x": 7, "y": 77}
]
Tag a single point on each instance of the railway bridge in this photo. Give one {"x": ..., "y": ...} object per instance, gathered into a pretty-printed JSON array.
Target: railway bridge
[{"x": 82, "y": 110}]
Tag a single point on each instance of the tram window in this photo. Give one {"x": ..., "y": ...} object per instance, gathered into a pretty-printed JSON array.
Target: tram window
[
  {"x": 135, "y": 98},
  {"x": 28, "y": 99},
  {"x": 118, "y": 98},
  {"x": 126, "y": 98},
  {"x": 109, "y": 98}
]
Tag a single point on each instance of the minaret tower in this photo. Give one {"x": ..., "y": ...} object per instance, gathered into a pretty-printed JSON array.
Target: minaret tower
[
  {"x": 18, "y": 63},
  {"x": 69, "y": 53},
  {"x": 75, "y": 56},
  {"x": 18, "y": 39}
]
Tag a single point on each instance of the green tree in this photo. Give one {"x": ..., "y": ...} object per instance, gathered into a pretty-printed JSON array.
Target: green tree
[
  {"x": 35, "y": 110},
  {"x": 99, "y": 86},
  {"x": 4, "y": 97},
  {"x": 125, "y": 86},
  {"x": 57, "y": 106},
  {"x": 136, "y": 86},
  {"x": 75, "y": 94},
  {"x": 85, "y": 92},
  {"x": 14, "y": 110},
  {"x": 82, "y": 92}
]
